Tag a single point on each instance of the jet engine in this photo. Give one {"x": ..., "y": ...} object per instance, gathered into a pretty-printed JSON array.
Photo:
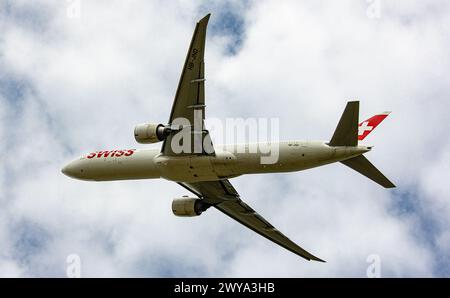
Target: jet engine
[
  {"x": 148, "y": 133},
  {"x": 186, "y": 206}
]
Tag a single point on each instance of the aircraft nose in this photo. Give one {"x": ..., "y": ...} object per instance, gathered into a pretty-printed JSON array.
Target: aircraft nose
[
  {"x": 75, "y": 169},
  {"x": 68, "y": 170}
]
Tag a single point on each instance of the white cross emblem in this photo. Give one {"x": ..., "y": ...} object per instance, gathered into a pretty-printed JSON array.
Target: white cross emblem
[{"x": 364, "y": 127}]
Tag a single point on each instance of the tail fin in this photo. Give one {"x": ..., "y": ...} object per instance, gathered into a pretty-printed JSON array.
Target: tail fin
[
  {"x": 364, "y": 167},
  {"x": 369, "y": 125},
  {"x": 346, "y": 133}
]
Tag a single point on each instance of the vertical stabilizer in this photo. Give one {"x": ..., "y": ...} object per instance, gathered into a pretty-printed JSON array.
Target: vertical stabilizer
[{"x": 366, "y": 127}]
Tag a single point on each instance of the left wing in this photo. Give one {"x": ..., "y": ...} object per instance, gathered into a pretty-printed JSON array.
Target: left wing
[
  {"x": 222, "y": 195},
  {"x": 188, "y": 109}
]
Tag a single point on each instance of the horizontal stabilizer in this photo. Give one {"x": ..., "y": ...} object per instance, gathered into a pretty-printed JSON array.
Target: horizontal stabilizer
[
  {"x": 364, "y": 167},
  {"x": 346, "y": 133}
]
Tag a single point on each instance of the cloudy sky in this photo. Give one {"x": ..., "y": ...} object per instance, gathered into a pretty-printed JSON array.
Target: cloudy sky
[{"x": 77, "y": 76}]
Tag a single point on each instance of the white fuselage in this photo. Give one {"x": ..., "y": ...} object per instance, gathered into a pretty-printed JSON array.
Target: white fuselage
[{"x": 228, "y": 162}]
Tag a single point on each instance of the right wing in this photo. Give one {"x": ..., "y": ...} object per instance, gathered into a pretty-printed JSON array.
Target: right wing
[
  {"x": 188, "y": 109},
  {"x": 222, "y": 195}
]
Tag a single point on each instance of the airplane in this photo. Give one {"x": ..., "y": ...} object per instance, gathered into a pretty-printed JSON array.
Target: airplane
[{"x": 204, "y": 169}]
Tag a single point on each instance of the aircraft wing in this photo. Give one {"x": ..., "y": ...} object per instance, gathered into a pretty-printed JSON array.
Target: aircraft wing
[
  {"x": 188, "y": 109},
  {"x": 222, "y": 195}
]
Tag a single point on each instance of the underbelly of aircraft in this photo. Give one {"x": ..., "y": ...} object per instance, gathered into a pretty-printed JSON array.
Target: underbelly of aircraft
[{"x": 186, "y": 169}]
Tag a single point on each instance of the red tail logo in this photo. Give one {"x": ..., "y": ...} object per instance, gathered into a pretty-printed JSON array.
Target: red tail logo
[{"x": 369, "y": 125}]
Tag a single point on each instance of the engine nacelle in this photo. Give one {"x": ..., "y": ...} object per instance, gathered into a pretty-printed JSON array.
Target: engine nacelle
[
  {"x": 187, "y": 206},
  {"x": 148, "y": 133}
]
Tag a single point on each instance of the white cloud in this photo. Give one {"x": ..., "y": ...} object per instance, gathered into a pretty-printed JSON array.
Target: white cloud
[{"x": 88, "y": 81}]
